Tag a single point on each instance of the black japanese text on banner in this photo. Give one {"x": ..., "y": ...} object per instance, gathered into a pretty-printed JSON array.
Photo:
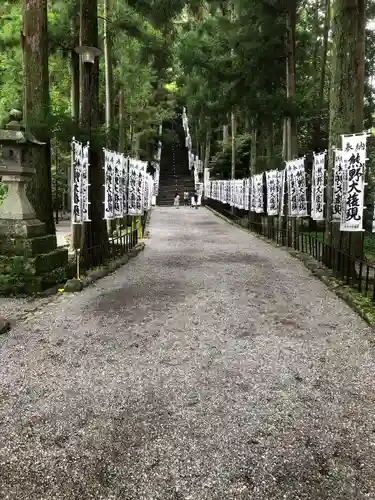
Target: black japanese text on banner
[
  {"x": 80, "y": 182},
  {"x": 354, "y": 158},
  {"x": 338, "y": 168},
  {"x": 272, "y": 178},
  {"x": 317, "y": 186}
]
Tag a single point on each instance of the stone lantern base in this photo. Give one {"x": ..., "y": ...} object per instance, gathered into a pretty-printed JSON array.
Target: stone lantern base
[{"x": 30, "y": 261}]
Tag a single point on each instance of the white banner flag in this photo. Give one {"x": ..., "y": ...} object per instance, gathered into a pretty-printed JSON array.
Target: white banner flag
[
  {"x": 354, "y": 158},
  {"x": 282, "y": 174},
  {"x": 317, "y": 186},
  {"x": 259, "y": 202},
  {"x": 80, "y": 182},
  {"x": 109, "y": 184},
  {"x": 337, "y": 186},
  {"x": 272, "y": 192},
  {"x": 137, "y": 174},
  {"x": 296, "y": 179},
  {"x": 247, "y": 194}
]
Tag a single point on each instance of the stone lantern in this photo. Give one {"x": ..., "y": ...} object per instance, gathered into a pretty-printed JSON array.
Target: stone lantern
[
  {"x": 16, "y": 171},
  {"x": 21, "y": 233}
]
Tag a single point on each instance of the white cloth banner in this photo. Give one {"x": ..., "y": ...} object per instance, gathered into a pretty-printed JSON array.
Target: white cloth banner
[
  {"x": 258, "y": 191},
  {"x": 149, "y": 189},
  {"x": 206, "y": 181},
  {"x": 109, "y": 184},
  {"x": 156, "y": 181},
  {"x": 232, "y": 191},
  {"x": 317, "y": 186},
  {"x": 337, "y": 186},
  {"x": 272, "y": 177},
  {"x": 246, "y": 194},
  {"x": 252, "y": 194},
  {"x": 238, "y": 194},
  {"x": 122, "y": 163},
  {"x": 296, "y": 181},
  {"x": 281, "y": 184},
  {"x": 117, "y": 186},
  {"x": 137, "y": 174},
  {"x": 354, "y": 159},
  {"x": 80, "y": 182}
]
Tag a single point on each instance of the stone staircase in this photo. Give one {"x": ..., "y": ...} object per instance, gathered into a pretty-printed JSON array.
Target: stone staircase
[{"x": 175, "y": 175}]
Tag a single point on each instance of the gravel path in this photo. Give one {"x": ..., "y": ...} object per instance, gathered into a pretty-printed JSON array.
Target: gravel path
[{"x": 214, "y": 366}]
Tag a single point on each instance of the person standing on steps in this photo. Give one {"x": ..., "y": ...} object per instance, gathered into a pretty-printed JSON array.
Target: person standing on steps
[
  {"x": 186, "y": 198},
  {"x": 176, "y": 202}
]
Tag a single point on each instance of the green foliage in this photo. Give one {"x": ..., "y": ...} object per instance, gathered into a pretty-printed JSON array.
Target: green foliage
[
  {"x": 3, "y": 191},
  {"x": 13, "y": 275}
]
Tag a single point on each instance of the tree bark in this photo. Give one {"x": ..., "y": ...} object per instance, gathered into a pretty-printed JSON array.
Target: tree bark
[
  {"x": 37, "y": 106},
  {"x": 346, "y": 102},
  {"x": 75, "y": 71},
  {"x": 225, "y": 136},
  {"x": 316, "y": 140},
  {"x": 108, "y": 65},
  {"x": 121, "y": 122},
  {"x": 233, "y": 137},
  {"x": 208, "y": 147},
  {"x": 291, "y": 79},
  {"x": 74, "y": 90},
  {"x": 95, "y": 231}
]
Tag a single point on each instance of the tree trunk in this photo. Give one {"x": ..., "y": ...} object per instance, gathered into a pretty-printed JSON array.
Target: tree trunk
[
  {"x": 316, "y": 140},
  {"x": 208, "y": 147},
  {"x": 253, "y": 152},
  {"x": 225, "y": 135},
  {"x": 233, "y": 137},
  {"x": 95, "y": 231},
  {"x": 269, "y": 146},
  {"x": 346, "y": 102},
  {"x": 292, "y": 145},
  {"x": 74, "y": 90},
  {"x": 291, "y": 79},
  {"x": 108, "y": 65},
  {"x": 121, "y": 122},
  {"x": 37, "y": 106},
  {"x": 75, "y": 72}
]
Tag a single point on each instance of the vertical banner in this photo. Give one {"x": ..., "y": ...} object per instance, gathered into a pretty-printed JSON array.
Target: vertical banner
[
  {"x": 206, "y": 180},
  {"x": 258, "y": 188},
  {"x": 301, "y": 188},
  {"x": 80, "y": 182},
  {"x": 272, "y": 192},
  {"x": 156, "y": 180},
  {"x": 117, "y": 187},
  {"x": 246, "y": 188},
  {"x": 238, "y": 194},
  {"x": 124, "y": 184},
  {"x": 252, "y": 194},
  {"x": 291, "y": 189},
  {"x": 132, "y": 190},
  {"x": 337, "y": 185},
  {"x": 354, "y": 159},
  {"x": 227, "y": 192},
  {"x": 282, "y": 174},
  {"x": 317, "y": 186},
  {"x": 85, "y": 183},
  {"x": 296, "y": 181},
  {"x": 373, "y": 219},
  {"x": 109, "y": 167}
]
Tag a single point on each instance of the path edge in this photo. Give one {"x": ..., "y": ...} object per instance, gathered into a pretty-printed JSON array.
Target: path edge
[
  {"x": 77, "y": 285},
  {"x": 360, "y": 304}
]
